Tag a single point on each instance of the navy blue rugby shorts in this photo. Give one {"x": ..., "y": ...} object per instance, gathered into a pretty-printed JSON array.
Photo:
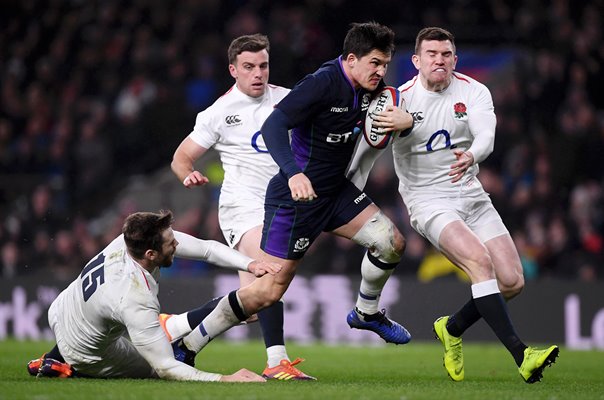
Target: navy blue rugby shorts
[{"x": 290, "y": 227}]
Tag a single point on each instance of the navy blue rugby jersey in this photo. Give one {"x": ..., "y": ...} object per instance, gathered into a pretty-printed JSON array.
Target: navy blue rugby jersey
[{"x": 327, "y": 114}]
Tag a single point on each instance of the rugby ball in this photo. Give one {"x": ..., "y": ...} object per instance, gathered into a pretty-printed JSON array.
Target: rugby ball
[{"x": 373, "y": 134}]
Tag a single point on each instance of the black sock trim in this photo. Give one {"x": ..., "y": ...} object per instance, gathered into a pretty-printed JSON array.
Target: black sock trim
[
  {"x": 381, "y": 264},
  {"x": 236, "y": 307}
]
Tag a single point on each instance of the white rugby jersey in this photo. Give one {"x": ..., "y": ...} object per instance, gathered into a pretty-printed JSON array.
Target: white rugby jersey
[
  {"x": 232, "y": 126},
  {"x": 460, "y": 117},
  {"x": 114, "y": 296}
]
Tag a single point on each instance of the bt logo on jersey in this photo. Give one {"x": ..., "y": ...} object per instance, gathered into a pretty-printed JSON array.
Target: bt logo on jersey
[{"x": 339, "y": 137}]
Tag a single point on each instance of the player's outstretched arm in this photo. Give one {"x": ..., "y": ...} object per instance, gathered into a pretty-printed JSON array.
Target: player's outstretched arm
[
  {"x": 182, "y": 163},
  {"x": 243, "y": 375},
  {"x": 220, "y": 255}
]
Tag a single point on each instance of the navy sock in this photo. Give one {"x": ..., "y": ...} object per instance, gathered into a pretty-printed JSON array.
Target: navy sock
[
  {"x": 494, "y": 310},
  {"x": 464, "y": 318},
  {"x": 55, "y": 354},
  {"x": 197, "y": 315},
  {"x": 271, "y": 322}
]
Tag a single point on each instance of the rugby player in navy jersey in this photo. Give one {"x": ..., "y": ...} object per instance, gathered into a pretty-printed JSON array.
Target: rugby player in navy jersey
[{"x": 311, "y": 194}]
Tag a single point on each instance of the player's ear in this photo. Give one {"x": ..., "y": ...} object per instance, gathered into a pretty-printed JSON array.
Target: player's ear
[
  {"x": 150, "y": 254},
  {"x": 351, "y": 59},
  {"x": 233, "y": 71},
  {"x": 415, "y": 61}
]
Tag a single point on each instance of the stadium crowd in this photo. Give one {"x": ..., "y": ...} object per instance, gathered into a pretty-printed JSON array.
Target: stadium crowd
[{"x": 95, "y": 92}]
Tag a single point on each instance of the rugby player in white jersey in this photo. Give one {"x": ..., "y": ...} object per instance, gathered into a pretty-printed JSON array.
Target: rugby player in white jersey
[
  {"x": 106, "y": 322},
  {"x": 232, "y": 127},
  {"x": 437, "y": 167}
]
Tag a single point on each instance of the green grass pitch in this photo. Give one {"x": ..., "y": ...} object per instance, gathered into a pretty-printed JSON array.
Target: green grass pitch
[{"x": 413, "y": 371}]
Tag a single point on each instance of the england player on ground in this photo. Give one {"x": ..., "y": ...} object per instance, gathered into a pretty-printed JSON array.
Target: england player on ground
[
  {"x": 437, "y": 167},
  {"x": 106, "y": 322},
  {"x": 311, "y": 194},
  {"x": 232, "y": 127}
]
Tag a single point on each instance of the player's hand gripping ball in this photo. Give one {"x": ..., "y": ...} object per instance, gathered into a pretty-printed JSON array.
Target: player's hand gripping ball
[{"x": 374, "y": 135}]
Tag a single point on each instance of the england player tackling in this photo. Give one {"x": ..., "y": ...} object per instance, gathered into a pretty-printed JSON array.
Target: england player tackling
[
  {"x": 437, "y": 167},
  {"x": 106, "y": 322}
]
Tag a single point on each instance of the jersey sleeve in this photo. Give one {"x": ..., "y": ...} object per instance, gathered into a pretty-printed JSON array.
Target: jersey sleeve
[
  {"x": 211, "y": 251},
  {"x": 306, "y": 98},
  {"x": 140, "y": 315},
  {"x": 362, "y": 162},
  {"x": 295, "y": 109},
  {"x": 205, "y": 132},
  {"x": 482, "y": 123}
]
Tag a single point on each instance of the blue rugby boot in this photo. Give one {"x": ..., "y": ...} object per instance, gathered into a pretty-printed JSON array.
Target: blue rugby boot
[
  {"x": 182, "y": 354},
  {"x": 389, "y": 330}
]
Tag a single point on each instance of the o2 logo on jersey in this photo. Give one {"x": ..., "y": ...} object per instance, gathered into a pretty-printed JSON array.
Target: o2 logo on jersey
[
  {"x": 435, "y": 136},
  {"x": 255, "y": 143},
  {"x": 93, "y": 276}
]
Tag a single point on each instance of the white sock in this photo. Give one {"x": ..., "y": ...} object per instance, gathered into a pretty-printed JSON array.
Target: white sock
[
  {"x": 218, "y": 321},
  {"x": 485, "y": 288},
  {"x": 275, "y": 354},
  {"x": 178, "y": 326},
  {"x": 372, "y": 283}
]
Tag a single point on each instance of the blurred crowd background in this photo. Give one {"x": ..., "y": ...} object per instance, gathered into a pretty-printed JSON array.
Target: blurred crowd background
[{"x": 95, "y": 95}]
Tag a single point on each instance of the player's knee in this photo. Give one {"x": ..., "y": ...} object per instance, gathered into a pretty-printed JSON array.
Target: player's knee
[
  {"x": 511, "y": 288},
  {"x": 389, "y": 250},
  {"x": 382, "y": 238},
  {"x": 399, "y": 243}
]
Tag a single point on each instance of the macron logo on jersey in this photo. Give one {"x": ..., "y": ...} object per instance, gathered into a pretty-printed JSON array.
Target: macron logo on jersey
[
  {"x": 339, "y": 109},
  {"x": 233, "y": 120}
]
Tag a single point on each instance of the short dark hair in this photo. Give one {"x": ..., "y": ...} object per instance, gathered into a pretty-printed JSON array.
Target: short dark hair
[
  {"x": 433, "y": 33},
  {"x": 143, "y": 231},
  {"x": 254, "y": 43},
  {"x": 362, "y": 38}
]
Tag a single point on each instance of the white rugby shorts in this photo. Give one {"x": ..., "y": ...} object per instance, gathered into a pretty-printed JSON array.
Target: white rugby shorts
[
  {"x": 429, "y": 216},
  {"x": 119, "y": 359},
  {"x": 236, "y": 220}
]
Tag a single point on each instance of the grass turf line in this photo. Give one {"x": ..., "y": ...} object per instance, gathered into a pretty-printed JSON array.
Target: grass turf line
[{"x": 412, "y": 371}]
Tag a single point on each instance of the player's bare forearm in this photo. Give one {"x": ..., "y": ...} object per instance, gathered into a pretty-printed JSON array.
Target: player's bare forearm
[{"x": 183, "y": 163}]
